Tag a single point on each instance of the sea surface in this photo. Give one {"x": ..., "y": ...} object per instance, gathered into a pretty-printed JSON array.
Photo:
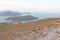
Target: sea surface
[
  {"x": 2, "y": 19},
  {"x": 40, "y": 15}
]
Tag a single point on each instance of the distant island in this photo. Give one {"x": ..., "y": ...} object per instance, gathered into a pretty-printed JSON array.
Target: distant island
[
  {"x": 22, "y": 18},
  {"x": 10, "y": 13}
]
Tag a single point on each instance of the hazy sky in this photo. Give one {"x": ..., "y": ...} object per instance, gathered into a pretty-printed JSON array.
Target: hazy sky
[{"x": 31, "y": 5}]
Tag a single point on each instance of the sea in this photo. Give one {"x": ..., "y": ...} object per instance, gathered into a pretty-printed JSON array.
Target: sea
[{"x": 40, "y": 15}]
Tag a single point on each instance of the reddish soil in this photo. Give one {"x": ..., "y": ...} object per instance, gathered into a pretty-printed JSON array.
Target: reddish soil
[{"x": 6, "y": 32}]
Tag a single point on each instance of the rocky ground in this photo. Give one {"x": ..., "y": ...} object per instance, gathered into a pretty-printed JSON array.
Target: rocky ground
[{"x": 49, "y": 29}]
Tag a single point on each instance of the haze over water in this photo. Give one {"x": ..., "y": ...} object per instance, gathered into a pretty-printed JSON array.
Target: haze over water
[{"x": 40, "y": 15}]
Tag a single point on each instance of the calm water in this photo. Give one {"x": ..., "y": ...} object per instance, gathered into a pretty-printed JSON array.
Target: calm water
[
  {"x": 2, "y": 19},
  {"x": 46, "y": 15},
  {"x": 40, "y": 15}
]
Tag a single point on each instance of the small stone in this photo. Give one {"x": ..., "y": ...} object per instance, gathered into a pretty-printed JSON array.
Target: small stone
[
  {"x": 44, "y": 32},
  {"x": 37, "y": 29},
  {"x": 58, "y": 38},
  {"x": 59, "y": 35}
]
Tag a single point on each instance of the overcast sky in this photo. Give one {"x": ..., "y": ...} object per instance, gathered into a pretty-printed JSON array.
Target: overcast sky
[{"x": 30, "y": 5}]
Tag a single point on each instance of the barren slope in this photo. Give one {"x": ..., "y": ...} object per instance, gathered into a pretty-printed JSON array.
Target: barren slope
[{"x": 9, "y": 32}]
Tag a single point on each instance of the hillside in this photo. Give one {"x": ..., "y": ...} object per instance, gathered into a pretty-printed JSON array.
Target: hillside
[
  {"x": 38, "y": 30},
  {"x": 10, "y": 13},
  {"x": 22, "y": 18}
]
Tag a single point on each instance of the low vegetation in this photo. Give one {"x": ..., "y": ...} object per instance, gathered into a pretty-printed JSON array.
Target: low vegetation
[{"x": 46, "y": 29}]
